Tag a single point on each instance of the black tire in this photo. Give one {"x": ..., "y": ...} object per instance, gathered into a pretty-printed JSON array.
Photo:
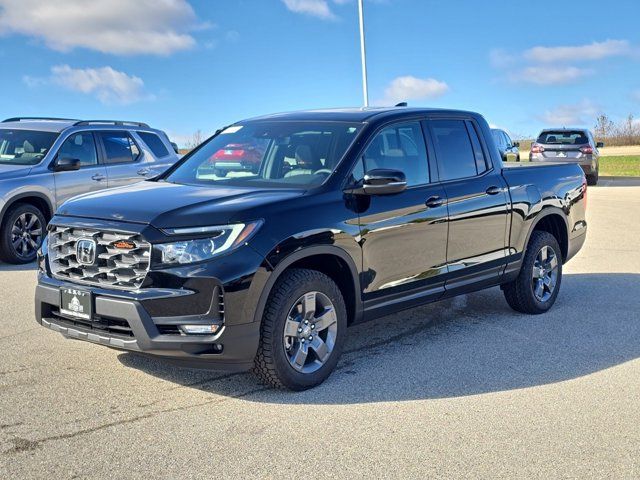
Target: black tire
[
  {"x": 271, "y": 363},
  {"x": 8, "y": 252},
  {"x": 518, "y": 158},
  {"x": 593, "y": 178},
  {"x": 520, "y": 293}
]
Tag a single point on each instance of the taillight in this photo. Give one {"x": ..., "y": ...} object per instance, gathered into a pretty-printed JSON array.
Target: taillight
[
  {"x": 537, "y": 148},
  {"x": 586, "y": 150}
]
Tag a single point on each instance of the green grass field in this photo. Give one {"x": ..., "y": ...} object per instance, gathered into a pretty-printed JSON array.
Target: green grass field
[{"x": 622, "y": 166}]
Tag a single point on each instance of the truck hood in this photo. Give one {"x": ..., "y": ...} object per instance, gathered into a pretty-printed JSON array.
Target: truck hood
[
  {"x": 14, "y": 171},
  {"x": 169, "y": 205}
]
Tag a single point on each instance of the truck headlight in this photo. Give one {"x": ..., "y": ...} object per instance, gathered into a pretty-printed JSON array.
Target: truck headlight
[{"x": 215, "y": 240}]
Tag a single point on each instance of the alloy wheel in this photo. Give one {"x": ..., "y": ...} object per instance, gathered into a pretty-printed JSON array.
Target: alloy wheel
[
  {"x": 26, "y": 235},
  {"x": 545, "y": 273},
  {"x": 310, "y": 332}
]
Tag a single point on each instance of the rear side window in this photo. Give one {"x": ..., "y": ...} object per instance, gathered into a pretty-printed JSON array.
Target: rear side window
[
  {"x": 400, "y": 147},
  {"x": 563, "y": 137},
  {"x": 119, "y": 147},
  {"x": 154, "y": 143},
  {"x": 458, "y": 149}
]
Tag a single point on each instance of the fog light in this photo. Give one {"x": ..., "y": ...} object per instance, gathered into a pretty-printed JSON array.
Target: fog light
[{"x": 200, "y": 329}]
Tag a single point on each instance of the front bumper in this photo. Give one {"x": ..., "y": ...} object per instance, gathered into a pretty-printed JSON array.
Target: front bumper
[{"x": 120, "y": 321}]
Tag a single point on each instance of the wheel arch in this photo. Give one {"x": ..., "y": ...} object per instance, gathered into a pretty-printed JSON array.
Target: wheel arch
[
  {"x": 39, "y": 200},
  {"x": 331, "y": 261},
  {"x": 554, "y": 221}
]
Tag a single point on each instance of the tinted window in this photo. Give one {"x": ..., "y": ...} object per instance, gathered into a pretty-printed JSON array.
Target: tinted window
[
  {"x": 80, "y": 146},
  {"x": 563, "y": 137},
  {"x": 456, "y": 155},
  {"x": 154, "y": 143},
  {"x": 400, "y": 147},
  {"x": 119, "y": 147},
  {"x": 498, "y": 138},
  {"x": 507, "y": 139},
  {"x": 481, "y": 163}
]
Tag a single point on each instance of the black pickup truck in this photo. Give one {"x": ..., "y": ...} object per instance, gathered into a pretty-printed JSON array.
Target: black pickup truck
[{"x": 351, "y": 214}]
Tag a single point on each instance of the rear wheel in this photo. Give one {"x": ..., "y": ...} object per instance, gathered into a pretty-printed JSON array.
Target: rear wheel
[
  {"x": 21, "y": 234},
  {"x": 536, "y": 288},
  {"x": 302, "y": 332},
  {"x": 592, "y": 179}
]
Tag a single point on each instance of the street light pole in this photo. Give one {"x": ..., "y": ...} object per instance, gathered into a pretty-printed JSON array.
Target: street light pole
[{"x": 363, "y": 54}]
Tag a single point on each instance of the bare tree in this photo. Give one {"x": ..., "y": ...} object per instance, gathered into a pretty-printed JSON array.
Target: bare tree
[
  {"x": 604, "y": 127},
  {"x": 196, "y": 139}
]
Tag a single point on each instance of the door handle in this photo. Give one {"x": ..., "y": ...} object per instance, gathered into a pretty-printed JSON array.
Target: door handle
[
  {"x": 434, "y": 202},
  {"x": 98, "y": 177},
  {"x": 144, "y": 171},
  {"x": 494, "y": 190}
]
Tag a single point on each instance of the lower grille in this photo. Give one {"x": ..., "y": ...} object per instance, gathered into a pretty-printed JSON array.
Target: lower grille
[
  {"x": 113, "y": 326},
  {"x": 110, "y": 259}
]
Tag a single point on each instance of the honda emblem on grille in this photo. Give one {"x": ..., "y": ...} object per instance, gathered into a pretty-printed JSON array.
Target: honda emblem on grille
[{"x": 86, "y": 252}]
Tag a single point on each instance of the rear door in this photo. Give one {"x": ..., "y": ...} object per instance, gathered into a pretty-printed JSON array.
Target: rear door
[
  {"x": 122, "y": 156},
  {"x": 477, "y": 203},
  {"x": 92, "y": 175}
]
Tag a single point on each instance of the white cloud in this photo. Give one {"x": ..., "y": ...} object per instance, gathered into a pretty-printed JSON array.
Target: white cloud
[
  {"x": 582, "y": 113},
  {"x": 500, "y": 58},
  {"x": 549, "y": 75},
  {"x": 122, "y": 27},
  {"x": 315, "y": 8},
  {"x": 108, "y": 85},
  {"x": 413, "y": 88},
  {"x": 579, "y": 53}
]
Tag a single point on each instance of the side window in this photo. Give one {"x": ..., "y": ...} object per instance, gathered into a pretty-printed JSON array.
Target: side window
[
  {"x": 508, "y": 140},
  {"x": 481, "y": 162},
  {"x": 498, "y": 138},
  {"x": 119, "y": 147},
  {"x": 455, "y": 151},
  {"x": 154, "y": 143},
  {"x": 400, "y": 147},
  {"x": 81, "y": 146}
]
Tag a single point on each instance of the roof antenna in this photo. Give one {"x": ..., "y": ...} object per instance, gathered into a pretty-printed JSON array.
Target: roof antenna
[{"x": 401, "y": 104}]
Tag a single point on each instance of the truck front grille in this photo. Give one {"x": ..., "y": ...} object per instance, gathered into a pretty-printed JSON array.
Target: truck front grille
[{"x": 119, "y": 260}]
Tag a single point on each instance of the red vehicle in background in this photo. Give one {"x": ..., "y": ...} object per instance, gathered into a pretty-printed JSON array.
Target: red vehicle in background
[{"x": 237, "y": 157}]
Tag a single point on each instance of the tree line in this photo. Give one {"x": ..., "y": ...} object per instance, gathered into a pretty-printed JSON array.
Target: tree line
[{"x": 623, "y": 133}]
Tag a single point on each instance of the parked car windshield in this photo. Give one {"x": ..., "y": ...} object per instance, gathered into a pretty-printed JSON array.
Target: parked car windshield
[
  {"x": 563, "y": 137},
  {"x": 269, "y": 153},
  {"x": 24, "y": 147}
]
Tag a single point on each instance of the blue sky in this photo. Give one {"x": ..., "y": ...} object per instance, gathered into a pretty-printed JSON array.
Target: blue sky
[{"x": 184, "y": 65}]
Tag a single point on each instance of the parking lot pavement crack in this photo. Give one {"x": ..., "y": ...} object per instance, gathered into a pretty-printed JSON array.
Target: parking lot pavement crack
[{"x": 21, "y": 445}]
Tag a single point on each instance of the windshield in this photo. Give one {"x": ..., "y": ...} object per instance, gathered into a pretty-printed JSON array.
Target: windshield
[
  {"x": 563, "y": 137},
  {"x": 24, "y": 147},
  {"x": 269, "y": 154}
]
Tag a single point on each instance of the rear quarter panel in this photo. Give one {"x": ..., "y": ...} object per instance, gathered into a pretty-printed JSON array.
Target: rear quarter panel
[{"x": 540, "y": 189}]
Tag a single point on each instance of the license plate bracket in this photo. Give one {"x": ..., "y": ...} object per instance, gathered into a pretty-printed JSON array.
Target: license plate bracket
[{"x": 76, "y": 303}]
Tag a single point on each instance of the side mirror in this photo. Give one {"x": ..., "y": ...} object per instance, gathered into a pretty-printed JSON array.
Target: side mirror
[
  {"x": 175, "y": 147},
  {"x": 516, "y": 144},
  {"x": 599, "y": 144},
  {"x": 382, "y": 181},
  {"x": 66, "y": 165}
]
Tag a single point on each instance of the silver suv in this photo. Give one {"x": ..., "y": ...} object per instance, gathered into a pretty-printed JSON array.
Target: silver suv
[{"x": 45, "y": 161}]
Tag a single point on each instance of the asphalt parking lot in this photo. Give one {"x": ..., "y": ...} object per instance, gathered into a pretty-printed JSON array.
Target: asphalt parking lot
[{"x": 458, "y": 388}]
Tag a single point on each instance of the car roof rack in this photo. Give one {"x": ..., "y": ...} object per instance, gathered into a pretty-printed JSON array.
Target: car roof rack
[
  {"x": 111, "y": 122},
  {"x": 44, "y": 119}
]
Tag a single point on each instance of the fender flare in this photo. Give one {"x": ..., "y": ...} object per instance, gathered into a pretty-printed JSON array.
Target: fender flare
[
  {"x": 16, "y": 199},
  {"x": 545, "y": 212},
  {"x": 300, "y": 255}
]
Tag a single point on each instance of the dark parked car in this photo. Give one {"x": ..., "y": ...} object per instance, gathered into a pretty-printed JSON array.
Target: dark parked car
[
  {"x": 46, "y": 161},
  {"x": 353, "y": 214},
  {"x": 569, "y": 145},
  {"x": 509, "y": 149}
]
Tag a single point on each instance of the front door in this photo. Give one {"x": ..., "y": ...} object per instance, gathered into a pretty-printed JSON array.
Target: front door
[
  {"x": 404, "y": 241},
  {"x": 92, "y": 175},
  {"x": 477, "y": 202}
]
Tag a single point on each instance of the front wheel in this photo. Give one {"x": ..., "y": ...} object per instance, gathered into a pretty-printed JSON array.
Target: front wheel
[
  {"x": 302, "y": 331},
  {"x": 21, "y": 234},
  {"x": 536, "y": 288}
]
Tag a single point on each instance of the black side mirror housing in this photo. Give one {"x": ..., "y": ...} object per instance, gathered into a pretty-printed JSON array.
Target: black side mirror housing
[
  {"x": 175, "y": 147},
  {"x": 381, "y": 181},
  {"x": 599, "y": 144},
  {"x": 66, "y": 165}
]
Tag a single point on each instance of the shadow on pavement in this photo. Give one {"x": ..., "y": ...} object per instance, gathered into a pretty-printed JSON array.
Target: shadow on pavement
[
  {"x": 8, "y": 267},
  {"x": 466, "y": 346}
]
